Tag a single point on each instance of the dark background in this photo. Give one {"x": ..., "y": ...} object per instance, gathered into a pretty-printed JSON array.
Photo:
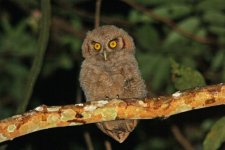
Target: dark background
[{"x": 168, "y": 59}]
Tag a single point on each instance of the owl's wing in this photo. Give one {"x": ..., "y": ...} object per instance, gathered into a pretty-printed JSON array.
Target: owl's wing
[{"x": 134, "y": 85}]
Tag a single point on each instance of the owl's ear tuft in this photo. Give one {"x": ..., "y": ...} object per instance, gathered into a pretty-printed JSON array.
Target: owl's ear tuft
[
  {"x": 85, "y": 48},
  {"x": 128, "y": 43}
]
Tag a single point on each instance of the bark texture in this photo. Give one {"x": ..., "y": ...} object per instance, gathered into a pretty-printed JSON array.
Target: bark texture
[{"x": 44, "y": 117}]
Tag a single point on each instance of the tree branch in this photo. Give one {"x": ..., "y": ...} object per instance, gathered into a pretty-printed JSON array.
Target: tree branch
[
  {"x": 97, "y": 13},
  {"x": 38, "y": 60},
  {"x": 59, "y": 24},
  {"x": 169, "y": 23},
  {"x": 104, "y": 19},
  {"x": 88, "y": 141},
  {"x": 44, "y": 117},
  {"x": 108, "y": 145},
  {"x": 181, "y": 139}
]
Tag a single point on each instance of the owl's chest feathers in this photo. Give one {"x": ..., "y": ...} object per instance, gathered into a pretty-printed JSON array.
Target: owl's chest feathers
[
  {"x": 114, "y": 74},
  {"x": 106, "y": 80}
]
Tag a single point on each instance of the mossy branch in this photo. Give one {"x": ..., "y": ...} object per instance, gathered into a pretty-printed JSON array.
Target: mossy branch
[
  {"x": 37, "y": 63},
  {"x": 44, "y": 117}
]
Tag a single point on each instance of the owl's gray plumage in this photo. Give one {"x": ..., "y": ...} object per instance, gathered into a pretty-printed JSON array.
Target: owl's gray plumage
[{"x": 111, "y": 71}]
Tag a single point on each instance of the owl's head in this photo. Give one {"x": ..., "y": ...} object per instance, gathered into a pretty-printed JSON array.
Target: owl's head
[{"x": 106, "y": 43}]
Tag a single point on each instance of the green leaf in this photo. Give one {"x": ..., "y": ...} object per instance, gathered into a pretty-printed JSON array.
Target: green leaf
[
  {"x": 216, "y": 136},
  {"x": 221, "y": 39},
  {"x": 50, "y": 67},
  {"x": 5, "y": 112},
  {"x": 15, "y": 40},
  {"x": 191, "y": 24},
  {"x": 218, "y": 60},
  {"x": 214, "y": 17},
  {"x": 173, "y": 11},
  {"x": 207, "y": 124},
  {"x": 16, "y": 77},
  {"x": 151, "y": 60},
  {"x": 148, "y": 2},
  {"x": 136, "y": 16},
  {"x": 147, "y": 37},
  {"x": 223, "y": 72},
  {"x": 72, "y": 42},
  {"x": 206, "y": 5},
  {"x": 172, "y": 39},
  {"x": 76, "y": 23},
  {"x": 15, "y": 69},
  {"x": 65, "y": 61},
  {"x": 156, "y": 71},
  {"x": 161, "y": 73},
  {"x": 185, "y": 77},
  {"x": 201, "y": 32},
  {"x": 219, "y": 30},
  {"x": 160, "y": 2}
]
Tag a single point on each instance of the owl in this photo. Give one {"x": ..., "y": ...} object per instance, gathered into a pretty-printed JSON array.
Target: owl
[{"x": 110, "y": 70}]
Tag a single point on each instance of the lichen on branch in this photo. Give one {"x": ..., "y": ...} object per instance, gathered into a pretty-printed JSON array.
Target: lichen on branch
[{"x": 44, "y": 117}]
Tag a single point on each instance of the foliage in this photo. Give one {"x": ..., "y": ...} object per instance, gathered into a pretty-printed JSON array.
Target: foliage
[
  {"x": 185, "y": 77},
  {"x": 157, "y": 44},
  {"x": 216, "y": 136}
]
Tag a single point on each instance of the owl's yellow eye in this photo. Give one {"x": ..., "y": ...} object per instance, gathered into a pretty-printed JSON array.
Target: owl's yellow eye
[
  {"x": 97, "y": 46},
  {"x": 113, "y": 44}
]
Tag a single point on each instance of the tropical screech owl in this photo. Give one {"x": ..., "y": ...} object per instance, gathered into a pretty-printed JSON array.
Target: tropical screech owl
[{"x": 110, "y": 70}]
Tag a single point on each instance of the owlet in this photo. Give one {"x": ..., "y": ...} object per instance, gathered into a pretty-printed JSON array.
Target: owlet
[{"x": 110, "y": 70}]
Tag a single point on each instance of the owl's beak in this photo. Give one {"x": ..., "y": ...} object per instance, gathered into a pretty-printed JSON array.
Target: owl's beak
[{"x": 105, "y": 55}]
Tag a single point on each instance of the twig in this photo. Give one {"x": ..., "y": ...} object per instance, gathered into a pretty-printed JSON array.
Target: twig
[
  {"x": 61, "y": 24},
  {"x": 37, "y": 63},
  {"x": 108, "y": 145},
  {"x": 181, "y": 138},
  {"x": 3, "y": 147},
  {"x": 89, "y": 16},
  {"x": 169, "y": 23},
  {"x": 97, "y": 13},
  {"x": 87, "y": 136},
  {"x": 44, "y": 117},
  {"x": 104, "y": 19},
  {"x": 88, "y": 141}
]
